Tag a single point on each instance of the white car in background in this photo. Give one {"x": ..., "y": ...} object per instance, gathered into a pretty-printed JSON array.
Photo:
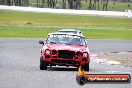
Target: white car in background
[{"x": 74, "y": 31}]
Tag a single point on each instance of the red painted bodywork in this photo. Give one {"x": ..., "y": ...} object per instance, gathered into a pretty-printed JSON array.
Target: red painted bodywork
[{"x": 77, "y": 60}]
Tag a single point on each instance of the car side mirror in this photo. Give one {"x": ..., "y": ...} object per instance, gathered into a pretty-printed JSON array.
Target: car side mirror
[{"x": 41, "y": 42}]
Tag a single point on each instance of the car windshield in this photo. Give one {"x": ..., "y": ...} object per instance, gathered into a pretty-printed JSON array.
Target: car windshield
[
  {"x": 75, "y": 32},
  {"x": 66, "y": 39}
]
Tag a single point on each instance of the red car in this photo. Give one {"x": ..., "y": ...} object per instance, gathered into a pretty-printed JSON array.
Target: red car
[{"x": 64, "y": 49}]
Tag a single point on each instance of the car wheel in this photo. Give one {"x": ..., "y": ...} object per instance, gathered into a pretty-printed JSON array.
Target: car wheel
[
  {"x": 85, "y": 67},
  {"x": 43, "y": 64}
]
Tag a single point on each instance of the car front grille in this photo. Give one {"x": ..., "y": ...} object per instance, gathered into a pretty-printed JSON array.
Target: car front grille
[{"x": 66, "y": 54}]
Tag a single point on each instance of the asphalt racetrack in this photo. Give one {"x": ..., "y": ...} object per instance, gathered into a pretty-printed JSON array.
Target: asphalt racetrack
[{"x": 19, "y": 65}]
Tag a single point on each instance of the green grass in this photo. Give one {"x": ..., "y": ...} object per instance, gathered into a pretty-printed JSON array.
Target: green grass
[
  {"x": 36, "y": 25},
  {"x": 117, "y": 6},
  {"x": 37, "y": 32},
  {"x": 25, "y": 32}
]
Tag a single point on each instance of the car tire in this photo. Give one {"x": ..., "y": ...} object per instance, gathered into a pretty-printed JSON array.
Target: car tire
[
  {"x": 85, "y": 67},
  {"x": 43, "y": 64}
]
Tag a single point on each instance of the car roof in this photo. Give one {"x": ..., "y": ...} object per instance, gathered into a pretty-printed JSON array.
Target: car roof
[
  {"x": 68, "y": 30},
  {"x": 61, "y": 33}
]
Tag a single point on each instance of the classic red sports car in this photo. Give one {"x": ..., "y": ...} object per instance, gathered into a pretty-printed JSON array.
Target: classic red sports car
[{"x": 64, "y": 49}]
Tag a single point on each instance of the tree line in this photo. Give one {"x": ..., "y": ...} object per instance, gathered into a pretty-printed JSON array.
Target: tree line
[
  {"x": 64, "y": 4},
  {"x": 15, "y": 2}
]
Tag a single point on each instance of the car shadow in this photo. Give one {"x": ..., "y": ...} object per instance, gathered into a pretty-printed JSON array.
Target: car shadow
[{"x": 62, "y": 69}]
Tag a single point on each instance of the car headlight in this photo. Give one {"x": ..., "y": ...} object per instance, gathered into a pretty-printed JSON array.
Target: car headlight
[
  {"x": 47, "y": 52},
  {"x": 85, "y": 54}
]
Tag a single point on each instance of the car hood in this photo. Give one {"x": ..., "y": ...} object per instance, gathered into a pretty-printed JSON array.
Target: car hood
[{"x": 66, "y": 47}]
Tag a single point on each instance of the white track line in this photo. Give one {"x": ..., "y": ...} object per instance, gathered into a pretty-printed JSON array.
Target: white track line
[{"x": 69, "y": 11}]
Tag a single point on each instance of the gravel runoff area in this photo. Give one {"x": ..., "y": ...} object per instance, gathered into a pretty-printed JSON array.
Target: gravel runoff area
[{"x": 125, "y": 58}]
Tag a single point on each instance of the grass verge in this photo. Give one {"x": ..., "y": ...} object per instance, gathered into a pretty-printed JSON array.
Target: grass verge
[{"x": 35, "y": 25}]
